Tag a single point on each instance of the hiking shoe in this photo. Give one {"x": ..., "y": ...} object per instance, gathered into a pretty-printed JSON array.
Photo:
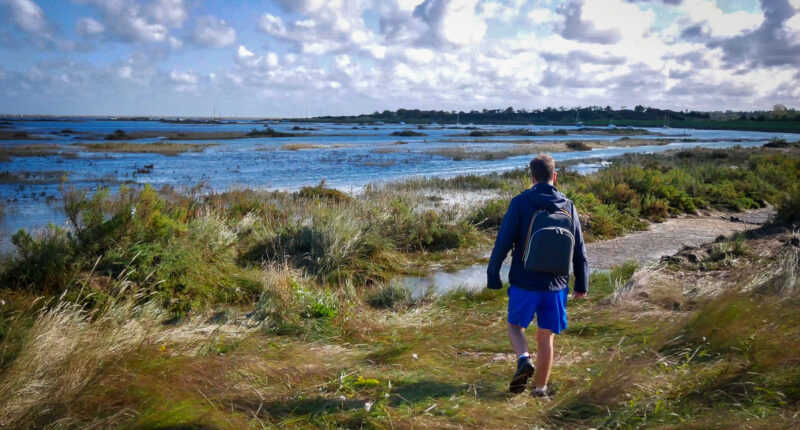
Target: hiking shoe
[
  {"x": 525, "y": 370},
  {"x": 541, "y": 393}
]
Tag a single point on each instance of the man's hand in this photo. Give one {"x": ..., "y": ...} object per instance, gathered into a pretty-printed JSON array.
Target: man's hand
[{"x": 577, "y": 295}]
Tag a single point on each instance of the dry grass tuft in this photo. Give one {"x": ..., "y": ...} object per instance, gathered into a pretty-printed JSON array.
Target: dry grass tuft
[
  {"x": 63, "y": 351},
  {"x": 300, "y": 146},
  {"x": 163, "y": 147}
]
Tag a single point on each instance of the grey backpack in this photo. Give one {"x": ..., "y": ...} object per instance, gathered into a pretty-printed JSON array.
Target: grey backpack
[{"x": 550, "y": 242}]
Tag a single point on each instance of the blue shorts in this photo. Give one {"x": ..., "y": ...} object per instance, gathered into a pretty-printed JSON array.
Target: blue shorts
[{"x": 550, "y": 308}]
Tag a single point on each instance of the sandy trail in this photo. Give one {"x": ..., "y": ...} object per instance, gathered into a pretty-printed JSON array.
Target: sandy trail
[{"x": 671, "y": 236}]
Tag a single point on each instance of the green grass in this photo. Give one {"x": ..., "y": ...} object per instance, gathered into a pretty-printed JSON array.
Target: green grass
[{"x": 441, "y": 363}]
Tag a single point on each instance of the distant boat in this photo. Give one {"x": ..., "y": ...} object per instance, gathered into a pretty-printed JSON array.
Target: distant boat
[
  {"x": 402, "y": 123},
  {"x": 666, "y": 122},
  {"x": 578, "y": 123},
  {"x": 611, "y": 124},
  {"x": 434, "y": 124},
  {"x": 378, "y": 123}
]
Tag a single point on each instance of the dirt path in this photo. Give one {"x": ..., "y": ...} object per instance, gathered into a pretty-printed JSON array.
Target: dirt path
[
  {"x": 645, "y": 247},
  {"x": 671, "y": 236}
]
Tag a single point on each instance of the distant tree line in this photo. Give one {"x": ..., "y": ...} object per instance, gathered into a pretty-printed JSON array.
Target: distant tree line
[{"x": 595, "y": 115}]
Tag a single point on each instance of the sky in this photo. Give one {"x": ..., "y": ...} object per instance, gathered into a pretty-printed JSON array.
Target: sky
[{"x": 290, "y": 58}]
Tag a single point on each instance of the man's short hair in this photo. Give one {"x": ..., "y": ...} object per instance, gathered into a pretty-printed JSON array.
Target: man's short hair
[{"x": 542, "y": 168}]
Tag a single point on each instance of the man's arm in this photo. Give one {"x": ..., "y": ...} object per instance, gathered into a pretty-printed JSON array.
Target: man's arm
[
  {"x": 504, "y": 242},
  {"x": 580, "y": 263}
]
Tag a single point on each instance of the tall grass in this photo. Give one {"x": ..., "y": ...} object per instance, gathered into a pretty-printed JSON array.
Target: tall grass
[
  {"x": 62, "y": 353},
  {"x": 194, "y": 250}
]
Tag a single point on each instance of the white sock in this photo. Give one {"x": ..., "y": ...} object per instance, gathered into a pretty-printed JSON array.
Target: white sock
[
  {"x": 524, "y": 355},
  {"x": 541, "y": 390}
]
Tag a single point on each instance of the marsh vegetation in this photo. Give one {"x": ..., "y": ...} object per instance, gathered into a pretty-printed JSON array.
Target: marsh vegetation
[
  {"x": 247, "y": 308},
  {"x": 162, "y": 147}
]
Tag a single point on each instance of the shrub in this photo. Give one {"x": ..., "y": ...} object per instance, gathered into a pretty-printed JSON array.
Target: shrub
[
  {"x": 270, "y": 132},
  {"x": 491, "y": 214},
  {"x": 408, "y": 133},
  {"x": 654, "y": 209},
  {"x": 321, "y": 192},
  {"x": 577, "y": 145},
  {"x": 118, "y": 135},
  {"x": 480, "y": 133},
  {"x": 46, "y": 263},
  {"x": 789, "y": 206},
  {"x": 561, "y": 132},
  {"x": 776, "y": 143}
]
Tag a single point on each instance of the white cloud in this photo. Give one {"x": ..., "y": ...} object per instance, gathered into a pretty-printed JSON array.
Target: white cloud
[
  {"x": 358, "y": 55},
  {"x": 716, "y": 22},
  {"x": 272, "y": 25},
  {"x": 135, "y": 22},
  {"x": 89, "y": 27},
  {"x": 180, "y": 77},
  {"x": 243, "y": 52},
  {"x": 543, "y": 16},
  {"x": 213, "y": 32},
  {"x": 453, "y": 22},
  {"x": 792, "y": 28},
  {"x": 28, "y": 16},
  {"x": 171, "y": 13},
  {"x": 419, "y": 55}
]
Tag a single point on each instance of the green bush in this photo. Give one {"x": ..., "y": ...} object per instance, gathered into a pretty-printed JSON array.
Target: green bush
[
  {"x": 776, "y": 143},
  {"x": 789, "y": 206},
  {"x": 320, "y": 192},
  {"x": 577, "y": 145},
  {"x": 491, "y": 214},
  {"x": 46, "y": 263}
]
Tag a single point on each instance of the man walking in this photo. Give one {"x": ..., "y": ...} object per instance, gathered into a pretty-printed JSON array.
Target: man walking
[{"x": 544, "y": 231}]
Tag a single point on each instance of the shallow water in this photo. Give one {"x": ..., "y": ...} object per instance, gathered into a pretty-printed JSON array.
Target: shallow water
[{"x": 348, "y": 159}]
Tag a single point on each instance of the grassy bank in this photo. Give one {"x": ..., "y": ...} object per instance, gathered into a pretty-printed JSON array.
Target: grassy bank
[{"x": 644, "y": 351}]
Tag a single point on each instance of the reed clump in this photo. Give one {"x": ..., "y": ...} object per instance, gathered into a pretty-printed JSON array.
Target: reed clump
[{"x": 162, "y": 147}]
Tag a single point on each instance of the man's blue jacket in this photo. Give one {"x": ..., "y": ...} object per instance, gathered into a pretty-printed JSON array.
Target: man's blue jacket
[{"x": 513, "y": 233}]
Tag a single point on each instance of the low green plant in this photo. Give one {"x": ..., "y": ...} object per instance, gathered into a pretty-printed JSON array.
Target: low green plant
[
  {"x": 393, "y": 295},
  {"x": 789, "y": 206},
  {"x": 491, "y": 214},
  {"x": 321, "y": 192}
]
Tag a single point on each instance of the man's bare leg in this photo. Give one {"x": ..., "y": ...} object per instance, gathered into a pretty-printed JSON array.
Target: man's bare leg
[
  {"x": 518, "y": 341},
  {"x": 525, "y": 367},
  {"x": 544, "y": 356}
]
